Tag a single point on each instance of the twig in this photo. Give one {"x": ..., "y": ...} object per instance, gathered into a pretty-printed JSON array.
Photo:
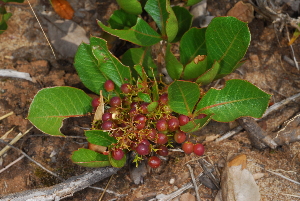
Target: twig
[
  {"x": 194, "y": 182},
  {"x": 16, "y": 139},
  {"x": 6, "y": 115},
  {"x": 162, "y": 197},
  {"x": 64, "y": 189},
  {"x": 296, "y": 196},
  {"x": 37, "y": 163},
  {"x": 12, "y": 163},
  {"x": 280, "y": 175},
  {"x": 15, "y": 74},
  {"x": 105, "y": 188},
  {"x": 3, "y": 137},
  {"x": 42, "y": 29},
  {"x": 272, "y": 108},
  {"x": 108, "y": 191}
]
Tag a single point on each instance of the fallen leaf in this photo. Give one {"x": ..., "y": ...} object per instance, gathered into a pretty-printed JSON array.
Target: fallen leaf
[
  {"x": 242, "y": 11},
  {"x": 100, "y": 109},
  {"x": 63, "y": 8},
  {"x": 238, "y": 160},
  {"x": 238, "y": 183},
  {"x": 65, "y": 36}
]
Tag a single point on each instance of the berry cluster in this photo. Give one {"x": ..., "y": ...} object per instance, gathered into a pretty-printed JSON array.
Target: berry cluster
[{"x": 140, "y": 126}]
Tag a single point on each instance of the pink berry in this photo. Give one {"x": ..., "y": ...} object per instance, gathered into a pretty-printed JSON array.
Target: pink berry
[
  {"x": 163, "y": 99},
  {"x": 154, "y": 162},
  {"x": 107, "y": 116},
  {"x": 163, "y": 150},
  {"x": 173, "y": 124},
  {"x": 188, "y": 147},
  {"x": 109, "y": 85},
  {"x": 95, "y": 103},
  {"x": 117, "y": 154},
  {"x": 161, "y": 138},
  {"x": 107, "y": 125},
  {"x": 199, "y": 149},
  {"x": 125, "y": 88},
  {"x": 183, "y": 119},
  {"x": 161, "y": 125},
  {"x": 179, "y": 137},
  {"x": 142, "y": 149},
  {"x": 115, "y": 101}
]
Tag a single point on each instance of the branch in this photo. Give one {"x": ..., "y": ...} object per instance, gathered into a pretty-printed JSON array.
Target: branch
[{"x": 64, "y": 189}]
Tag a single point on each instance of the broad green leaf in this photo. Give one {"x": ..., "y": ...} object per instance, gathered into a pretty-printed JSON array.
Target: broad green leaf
[
  {"x": 89, "y": 158},
  {"x": 195, "y": 124},
  {"x": 227, "y": 40},
  {"x": 88, "y": 69},
  {"x": 4, "y": 16},
  {"x": 141, "y": 56},
  {"x": 174, "y": 67},
  {"x": 219, "y": 75},
  {"x": 238, "y": 98},
  {"x": 209, "y": 75},
  {"x": 141, "y": 34},
  {"x": 192, "y": 2},
  {"x": 100, "y": 137},
  {"x": 117, "y": 163},
  {"x": 152, "y": 106},
  {"x": 122, "y": 20},
  {"x": 183, "y": 96},
  {"x": 51, "y": 106},
  {"x": 193, "y": 70},
  {"x": 192, "y": 44},
  {"x": 163, "y": 15},
  {"x": 184, "y": 19},
  {"x": 109, "y": 65},
  {"x": 145, "y": 97},
  {"x": 131, "y": 6}
]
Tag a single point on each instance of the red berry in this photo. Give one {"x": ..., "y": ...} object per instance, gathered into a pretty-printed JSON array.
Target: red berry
[
  {"x": 117, "y": 154},
  {"x": 125, "y": 88},
  {"x": 183, "y": 119},
  {"x": 173, "y": 124},
  {"x": 161, "y": 138},
  {"x": 152, "y": 134},
  {"x": 107, "y": 116},
  {"x": 163, "y": 150},
  {"x": 144, "y": 108},
  {"x": 133, "y": 105},
  {"x": 199, "y": 149},
  {"x": 188, "y": 147},
  {"x": 95, "y": 103},
  {"x": 140, "y": 126},
  {"x": 163, "y": 99},
  {"x": 109, "y": 85},
  {"x": 161, "y": 125},
  {"x": 145, "y": 142},
  {"x": 201, "y": 116},
  {"x": 107, "y": 125},
  {"x": 140, "y": 118},
  {"x": 142, "y": 149},
  {"x": 154, "y": 162},
  {"x": 118, "y": 133},
  {"x": 179, "y": 137},
  {"x": 115, "y": 101}
]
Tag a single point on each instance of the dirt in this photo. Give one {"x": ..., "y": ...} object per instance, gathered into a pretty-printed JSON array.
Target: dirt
[{"x": 24, "y": 48}]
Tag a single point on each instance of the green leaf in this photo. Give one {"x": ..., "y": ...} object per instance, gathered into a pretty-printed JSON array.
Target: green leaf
[
  {"x": 152, "y": 106},
  {"x": 238, "y": 98},
  {"x": 89, "y": 158},
  {"x": 130, "y": 6},
  {"x": 141, "y": 56},
  {"x": 141, "y": 34},
  {"x": 192, "y": 2},
  {"x": 164, "y": 17},
  {"x": 51, "y": 106},
  {"x": 193, "y": 70},
  {"x": 108, "y": 63},
  {"x": 192, "y": 44},
  {"x": 100, "y": 137},
  {"x": 184, "y": 19},
  {"x": 88, "y": 69},
  {"x": 183, "y": 96},
  {"x": 195, "y": 124},
  {"x": 4, "y": 16},
  {"x": 174, "y": 67},
  {"x": 122, "y": 20},
  {"x": 209, "y": 75},
  {"x": 117, "y": 163},
  {"x": 145, "y": 97},
  {"x": 227, "y": 40}
]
